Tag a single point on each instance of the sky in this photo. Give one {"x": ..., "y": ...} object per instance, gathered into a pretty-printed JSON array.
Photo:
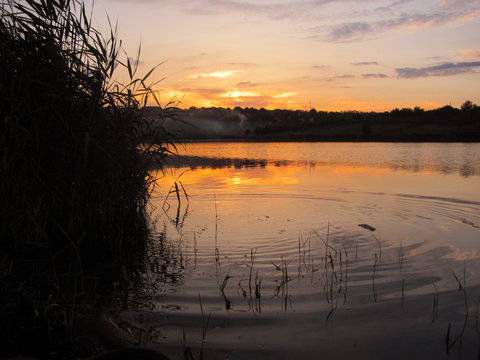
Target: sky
[{"x": 331, "y": 55}]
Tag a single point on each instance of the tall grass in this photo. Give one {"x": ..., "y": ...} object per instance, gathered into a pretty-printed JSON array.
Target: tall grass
[{"x": 75, "y": 150}]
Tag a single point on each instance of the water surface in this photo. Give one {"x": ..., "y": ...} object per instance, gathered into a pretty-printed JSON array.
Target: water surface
[{"x": 268, "y": 246}]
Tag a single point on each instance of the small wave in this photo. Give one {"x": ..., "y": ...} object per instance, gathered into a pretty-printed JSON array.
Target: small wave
[{"x": 438, "y": 198}]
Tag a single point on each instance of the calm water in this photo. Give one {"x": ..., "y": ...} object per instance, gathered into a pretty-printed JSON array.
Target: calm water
[{"x": 269, "y": 244}]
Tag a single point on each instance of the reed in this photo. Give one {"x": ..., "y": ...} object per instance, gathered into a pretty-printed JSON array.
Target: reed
[
  {"x": 76, "y": 150},
  {"x": 299, "y": 256},
  {"x": 216, "y": 223},
  {"x": 462, "y": 288},
  {"x": 258, "y": 286},
  {"x": 228, "y": 303},
  {"x": 374, "y": 290},
  {"x": 252, "y": 260},
  {"x": 258, "y": 293},
  {"x": 459, "y": 338},
  {"x": 283, "y": 283},
  {"x": 187, "y": 351},
  {"x": 447, "y": 338},
  {"x": 195, "y": 249},
  {"x": 403, "y": 292},
  {"x": 435, "y": 303},
  {"x": 379, "y": 247},
  {"x": 304, "y": 256},
  {"x": 205, "y": 324},
  {"x": 346, "y": 275},
  {"x": 286, "y": 279},
  {"x": 400, "y": 256},
  {"x": 177, "y": 190}
]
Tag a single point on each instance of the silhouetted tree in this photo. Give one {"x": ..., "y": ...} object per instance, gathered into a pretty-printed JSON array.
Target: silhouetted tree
[{"x": 467, "y": 106}]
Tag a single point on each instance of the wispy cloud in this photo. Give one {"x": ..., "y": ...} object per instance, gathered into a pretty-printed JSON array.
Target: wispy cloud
[
  {"x": 468, "y": 54},
  {"x": 246, "y": 84},
  {"x": 444, "y": 69},
  {"x": 239, "y": 94},
  {"x": 216, "y": 7},
  {"x": 365, "y": 29},
  {"x": 205, "y": 92},
  {"x": 360, "y": 21},
  {"x": 455, "y": 4},
  {"x": 215, "y": 74},
  {"x": 378, "y": 76},
  {"x": 364, "y": 63},
  {"x": 345, "y": 76},
  {"x": 283, "y": 95},
  {"x": 243, "y": 64}
]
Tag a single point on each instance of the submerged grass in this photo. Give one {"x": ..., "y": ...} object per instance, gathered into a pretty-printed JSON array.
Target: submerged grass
[{"x": 75, "y": 154}]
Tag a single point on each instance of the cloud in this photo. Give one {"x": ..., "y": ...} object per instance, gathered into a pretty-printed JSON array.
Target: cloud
[
  {"x": 205, "y": 92},
  {"x": 349, "y": 31},
  {"x": 239, "y": 94},
  {"x": 297, "y": 10},
  {"x": 455, "y": 4},
  {"x": 216, "y": 7},
  {"x": 320, "y": 67},
  {"x": 288, "y": 94},
  {"x": 244, "y": 64},
  {"x": 215, "y": 74},
  {"x": 369, "y": 29},
  {"x": 469, "y": 54},
  {"x": 345, "y": 76},
  {"x": 236, "y": 96},
  {"x": 364, "y": 63},
  {"x": 246, "y": 84},
  {"x": 444, "y": 69},
  {"x": 369, "y": 76}
]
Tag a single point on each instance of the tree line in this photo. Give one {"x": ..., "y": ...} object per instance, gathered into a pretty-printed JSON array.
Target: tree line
[{"x": 446, "y": 123}]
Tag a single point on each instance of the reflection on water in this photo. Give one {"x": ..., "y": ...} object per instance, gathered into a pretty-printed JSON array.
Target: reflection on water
[
  {"x": 458, "y": 158},
  {"x": 353, "y": 250}
]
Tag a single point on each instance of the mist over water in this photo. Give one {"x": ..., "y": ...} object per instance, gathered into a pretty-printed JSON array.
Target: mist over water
[{"x": 269, "y": 240}]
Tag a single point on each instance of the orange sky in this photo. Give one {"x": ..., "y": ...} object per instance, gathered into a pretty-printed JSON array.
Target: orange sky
[{"x": 370, "y": 55}]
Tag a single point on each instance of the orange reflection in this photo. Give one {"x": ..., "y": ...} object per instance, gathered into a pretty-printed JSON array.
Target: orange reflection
[
  {"x": 298, "y": 178},
  {"x": 229, "y": 178}
]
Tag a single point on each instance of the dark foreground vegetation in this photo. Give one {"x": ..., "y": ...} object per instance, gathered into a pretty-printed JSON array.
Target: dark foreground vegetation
[
  {"x": 444, "y": 124},
  {"x": 74, "y": 179}
]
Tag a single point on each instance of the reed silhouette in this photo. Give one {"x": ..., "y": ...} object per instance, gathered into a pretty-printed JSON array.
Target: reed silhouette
[{"x": 75, "y": 150}]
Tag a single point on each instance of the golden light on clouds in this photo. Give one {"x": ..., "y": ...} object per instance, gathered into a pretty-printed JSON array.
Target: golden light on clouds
[
  {"x": 237, "y": 94},
  {"x": 285, "y": 95},
  {"x": 329, "y": 55},
  {"x": 216, "y": 74},
  {"x": 469, "y": 54},
  {"x": 229, "y": 98}
]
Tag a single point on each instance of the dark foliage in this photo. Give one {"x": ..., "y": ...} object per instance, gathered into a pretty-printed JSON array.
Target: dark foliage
[
  {"x": 443, "y": 124},
  {"x": 74, "y": 177}
]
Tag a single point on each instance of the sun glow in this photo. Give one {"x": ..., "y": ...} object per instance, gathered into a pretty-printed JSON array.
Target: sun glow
[
  {"x": 236, "y": 94},
  {"x": 215, "y": 74},
  {"x": 285, "y": 95}
]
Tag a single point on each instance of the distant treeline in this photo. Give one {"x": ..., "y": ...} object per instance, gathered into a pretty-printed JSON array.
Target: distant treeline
[{"x": 443, "y": 124}]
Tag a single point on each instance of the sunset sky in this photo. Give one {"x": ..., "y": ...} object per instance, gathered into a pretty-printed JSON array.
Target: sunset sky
[{"x": 368, "y": 55}]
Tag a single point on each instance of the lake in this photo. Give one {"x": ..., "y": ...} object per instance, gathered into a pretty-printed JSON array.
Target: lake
[{"x": 314, "y": 250}]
